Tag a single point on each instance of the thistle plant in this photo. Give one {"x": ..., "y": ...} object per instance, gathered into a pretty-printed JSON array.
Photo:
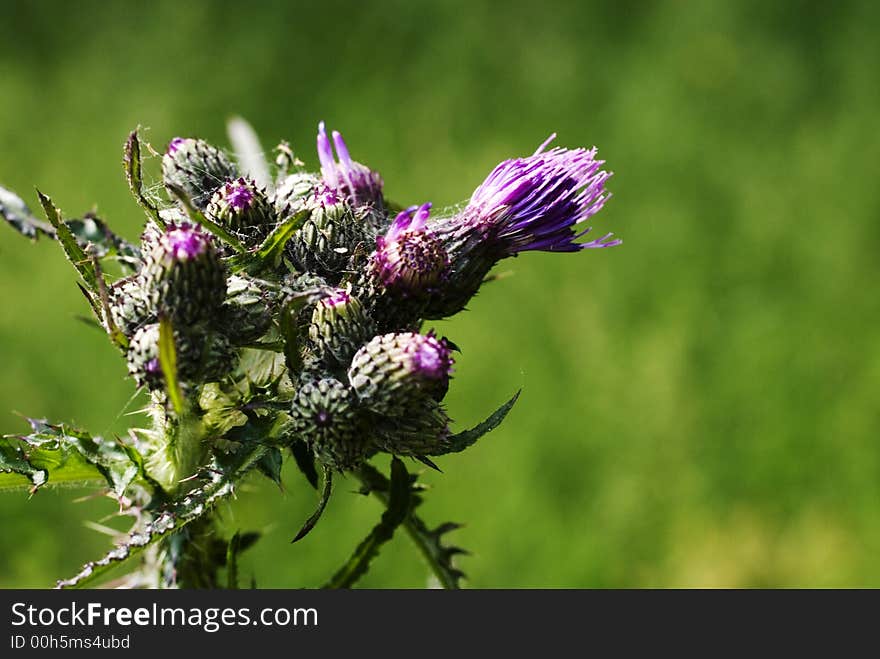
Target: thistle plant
[{"x": 271, "y": 312}]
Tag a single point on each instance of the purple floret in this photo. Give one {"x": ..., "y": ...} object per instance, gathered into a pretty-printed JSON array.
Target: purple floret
[
  {"x": 239, "y": 195},
  {"x": 538, "y": 202},
  {"x": 175, "y": 144},
  {"x": 431, "y": 357},
  {"x": 183, "y": 242},
  {"x": 358, "y": 183}
]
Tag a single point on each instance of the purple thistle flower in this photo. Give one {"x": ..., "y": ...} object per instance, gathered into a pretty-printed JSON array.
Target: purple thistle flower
[
  {"x": 175, "y": 144},
  {"x": 239, "y": 194},
  {"x": 431, "y": 357},
  {"x": 338, "y": 297},
  {"x": 351, "y": 179},
  {"x": 184, "y": 242},
  {"x": 537, "y": 203},
  {"x": 409, "y": 257}
]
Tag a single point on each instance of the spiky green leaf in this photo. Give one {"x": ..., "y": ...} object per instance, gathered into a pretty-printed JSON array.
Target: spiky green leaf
[
  {"x": 168, "y": 363},
  {"x": 16, "y": 212},
  {"x": 429, "y": 542},
  {"x": 398, "y": 507},
  {"x": 459, "y": 442},
  {"x": 269, "y": 254},
  {"x": 91, "y": 230},
  {"x": 326, "y": 491},
  {"x": 270, "y": 465},
  {"x": 218, "y": 482},
  {"x": 54, "y": 454},
  {"x": 305, "y": 460},
  {"x": 131, "y": 160},
  {"x": 72, "y": 249}
]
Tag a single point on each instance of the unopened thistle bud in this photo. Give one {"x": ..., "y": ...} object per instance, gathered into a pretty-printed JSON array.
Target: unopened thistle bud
[
  {"x": 338, "y": 328},
  {"x": 196, "y": 169},
  {"x": 243, "y": 208},
  {"x": 409, "y": 259},
  {"x": 394, "y": 370},
  {"x": 184, "y": 277},
  {"x": 324, "y": 414},
  {"x": 328, "y": 238}
]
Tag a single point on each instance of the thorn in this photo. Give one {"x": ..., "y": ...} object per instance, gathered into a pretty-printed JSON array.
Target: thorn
[{"x": 425, "y": 460}]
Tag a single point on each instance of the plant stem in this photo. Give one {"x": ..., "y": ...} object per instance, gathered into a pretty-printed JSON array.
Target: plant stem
[{"x": 414, "y": 526}]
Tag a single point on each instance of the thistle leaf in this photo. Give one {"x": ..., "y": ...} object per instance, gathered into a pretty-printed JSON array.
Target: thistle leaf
[
  {"x": 272, "y": 249},
  {"x": 315, "y": 516},
  {"x": 72, "y": 248},
  {"x": 460, "y": 441},
  {"x": 270, "y": 465},
  {"x": 168, "y": 363},
  {"x": 54, "y": 454},
  {"x": 131, "y": 160},
  {"x": 232, "y": 551},
  {"x": 429, "y": 541},
  {"x": 398, "y": 507},
  {"x": 15, "y": 211},
  {"x": 174, "y": 515},
  {"x": 305, "y": 460},
  {"x": 91, "y": 230}
]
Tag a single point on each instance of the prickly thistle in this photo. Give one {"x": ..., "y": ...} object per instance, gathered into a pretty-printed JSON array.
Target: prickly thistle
[{"x": 287, "y": 315}]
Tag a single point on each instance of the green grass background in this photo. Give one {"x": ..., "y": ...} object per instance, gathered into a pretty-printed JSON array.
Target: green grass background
[{"x": 700, "y": 405}]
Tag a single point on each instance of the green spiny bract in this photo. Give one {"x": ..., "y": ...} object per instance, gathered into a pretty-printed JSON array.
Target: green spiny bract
[
  {"x": 330, "y": 239},
  {"x": 338, "y": 328},
  {"x": 288, "y": 315},
  {"x": 246, "y": 315}
]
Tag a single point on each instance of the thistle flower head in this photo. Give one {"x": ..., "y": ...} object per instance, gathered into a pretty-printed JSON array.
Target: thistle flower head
[
  {"x": 239, "y": 195},
  {"x": 393, "y": 370},
  {"x": 183, "y": 242},
  {"x": 244, "y": 208},
  {"x": 539, "y": 202},
  {"x": 339, "y": 326},
  {"x": 354, "y": 181},
  {"x": 409, "y": 258},
  {"x": 324, "y": 415},
  {"x": 183, "y": 276},
  {"x": 175, "y": 144},
  {"x": 196, "y": 169}
]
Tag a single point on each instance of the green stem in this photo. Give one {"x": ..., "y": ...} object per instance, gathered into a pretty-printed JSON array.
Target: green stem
[{"x": 414, "y": 526}]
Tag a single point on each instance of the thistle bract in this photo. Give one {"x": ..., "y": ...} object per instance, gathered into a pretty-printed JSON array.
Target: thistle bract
[
  {"x": 325, "y": 416},
  {"x": 338, "y": 328}
]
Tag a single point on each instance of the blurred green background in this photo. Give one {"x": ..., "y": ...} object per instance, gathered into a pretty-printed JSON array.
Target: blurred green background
[{"x": 700, "y": 404}]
